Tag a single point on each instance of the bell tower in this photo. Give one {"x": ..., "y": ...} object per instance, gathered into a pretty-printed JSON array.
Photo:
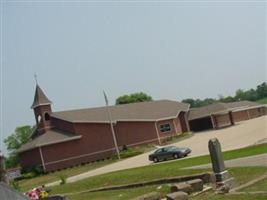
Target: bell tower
[{"x": 42, "y": 109}]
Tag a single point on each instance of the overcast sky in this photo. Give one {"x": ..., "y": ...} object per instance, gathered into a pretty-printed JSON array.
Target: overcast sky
[{"x": 169, "y": 50}]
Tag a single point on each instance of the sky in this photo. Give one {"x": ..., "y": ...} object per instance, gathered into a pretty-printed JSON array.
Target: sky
[{"x": 168, "y": 49}]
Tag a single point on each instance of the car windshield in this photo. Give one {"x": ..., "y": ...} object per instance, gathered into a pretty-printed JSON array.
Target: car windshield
[
  {"x": 157, "y": 151},
  {"x": 173, "y": 149}
]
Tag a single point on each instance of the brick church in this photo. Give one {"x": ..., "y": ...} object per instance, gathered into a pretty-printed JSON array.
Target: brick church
[{"x": 68, "y": 138}]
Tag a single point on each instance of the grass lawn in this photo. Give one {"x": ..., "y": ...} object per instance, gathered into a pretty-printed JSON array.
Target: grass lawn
[
  {"x": 27, "y": 184},
  {"x": 161, "y": 170},
  {"x": 259, "y": 186},
  {"x": 212, "y": 196},
  {"x": 121, "y": 194},
  {"x": 242, "y": 175},
  {"x": 155, "y": 170}
]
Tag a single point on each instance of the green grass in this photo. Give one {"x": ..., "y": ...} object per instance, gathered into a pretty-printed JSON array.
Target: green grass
[
  {"x": 242, "y": 175},
  {"x": 263, "y": 101},
  {"x": 121, "y": 194},
  {"x": 27, "y": 184},
  {"x": 212, "y": 196},
  {"x": 259, "y": 186},
  {"x": 156, "y": 171}
]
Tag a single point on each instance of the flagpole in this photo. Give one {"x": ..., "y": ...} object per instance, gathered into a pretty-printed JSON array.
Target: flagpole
[{"x": 111, "y": 126}]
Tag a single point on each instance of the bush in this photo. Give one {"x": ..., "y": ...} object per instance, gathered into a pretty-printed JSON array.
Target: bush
[
  {"x": 37, "y": 170},
  {"x": 29, "y": 175},
  {"x": 62, "y": 179},
  {"x": 130, "y": 152}
]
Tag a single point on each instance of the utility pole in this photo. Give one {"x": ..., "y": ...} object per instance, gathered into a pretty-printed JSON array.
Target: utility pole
[{"x": 111, "y": 126}]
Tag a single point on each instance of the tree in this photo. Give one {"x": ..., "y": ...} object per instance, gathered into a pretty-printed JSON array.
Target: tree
[
  {"x": 189, "y": 101},
  {"x": 14, "y": 142},
  {"x": 133, "y": 98},
  {"x": 262, "y": 90}
]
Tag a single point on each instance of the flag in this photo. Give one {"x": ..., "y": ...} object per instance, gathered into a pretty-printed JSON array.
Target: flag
[{"x": 106, "y": 98}]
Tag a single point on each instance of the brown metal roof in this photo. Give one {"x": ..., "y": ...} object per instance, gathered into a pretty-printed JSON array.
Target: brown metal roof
[
  {"x": 143, "y": 111},
  {"x": 51, "y": 136},
  {"x": 205, "y": 111},
  {"x": 40, "y": 98},
  {"x": 240, "y": 104},
  {"x": 217, "y": 108}
]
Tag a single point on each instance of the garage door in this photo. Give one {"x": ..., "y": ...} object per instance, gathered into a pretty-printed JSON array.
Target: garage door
[
  {"x": 222, "y": 120},
  {"x": 240, "y": 116}
]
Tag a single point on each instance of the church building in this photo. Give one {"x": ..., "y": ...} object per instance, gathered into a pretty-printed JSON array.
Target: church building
[{"x": 68, "y": 138}]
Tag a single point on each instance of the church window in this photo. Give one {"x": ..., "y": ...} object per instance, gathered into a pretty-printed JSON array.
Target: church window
[{"x": 39, "y": 118}]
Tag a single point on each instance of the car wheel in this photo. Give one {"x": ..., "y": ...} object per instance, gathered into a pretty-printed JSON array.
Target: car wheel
[
  {"x": 155, "y": 159},
  {"x": 175, "y": 156}
]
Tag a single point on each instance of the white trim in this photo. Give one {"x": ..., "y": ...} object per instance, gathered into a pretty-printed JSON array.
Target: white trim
[
  {"x": 157, "y": 131},
  {"x": 42, "y": 104},
  {"x": 169, "y": 131},
  {"x": 213, "y": 122},
  {"x": 42, "y": 158},
  {"x": 175, "y": 127},
  {"x": 187, "y": 122},
  {"x": 248, "y": 114}
]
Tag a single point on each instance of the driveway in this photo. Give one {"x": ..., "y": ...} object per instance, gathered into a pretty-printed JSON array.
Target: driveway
[{"x": 240, "y": 135}]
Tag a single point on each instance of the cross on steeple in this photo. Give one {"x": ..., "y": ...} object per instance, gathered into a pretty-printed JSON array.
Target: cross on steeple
[{"x": 35, "y": 77}]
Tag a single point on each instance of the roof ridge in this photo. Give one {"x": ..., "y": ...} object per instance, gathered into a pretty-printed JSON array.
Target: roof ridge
[{"x": 120, "y": 105}]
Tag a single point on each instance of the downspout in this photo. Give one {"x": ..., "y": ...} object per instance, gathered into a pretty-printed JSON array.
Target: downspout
[
  {"x": 157, "y": 131},
  {"x": 42, "y": 158},
  {"x": 213, "y": 122},
  {"x": 248, "y": 114},
  {"x": 175, "y": 127},
  {"x": 186, "y": 116}
]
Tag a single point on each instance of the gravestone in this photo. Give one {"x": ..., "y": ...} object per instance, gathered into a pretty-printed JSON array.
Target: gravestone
[{"x": 223, "y": 179}]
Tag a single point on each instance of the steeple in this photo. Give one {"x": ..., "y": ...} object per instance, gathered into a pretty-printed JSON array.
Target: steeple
[
  {"x": 39, "y": 98},
  {"x": 42, "y": 109}
]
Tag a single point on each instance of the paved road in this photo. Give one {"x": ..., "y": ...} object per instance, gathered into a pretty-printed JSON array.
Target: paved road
[
  {"x": 251, "y": 161},
  {"x": 241, "y": 135}
]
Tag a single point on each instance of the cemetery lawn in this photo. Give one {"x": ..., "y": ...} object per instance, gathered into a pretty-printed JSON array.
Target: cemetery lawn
[
  {"x": 241, "y": 174},
  {"x": 259, "y": 186},
  {"x": 153, "y": 171}
]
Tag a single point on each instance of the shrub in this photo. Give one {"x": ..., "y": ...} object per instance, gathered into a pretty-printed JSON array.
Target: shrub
[
  {"x": 62, "y": 179},
  {"x": 130, "y": 152}
]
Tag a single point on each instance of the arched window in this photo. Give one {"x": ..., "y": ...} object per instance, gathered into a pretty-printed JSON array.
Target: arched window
[
  {"x": 47, "y": 117},
  {"x": 39, "y": 118}
]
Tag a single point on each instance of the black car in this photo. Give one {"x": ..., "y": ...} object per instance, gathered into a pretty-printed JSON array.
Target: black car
[{"x": 166, "y": 153}]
